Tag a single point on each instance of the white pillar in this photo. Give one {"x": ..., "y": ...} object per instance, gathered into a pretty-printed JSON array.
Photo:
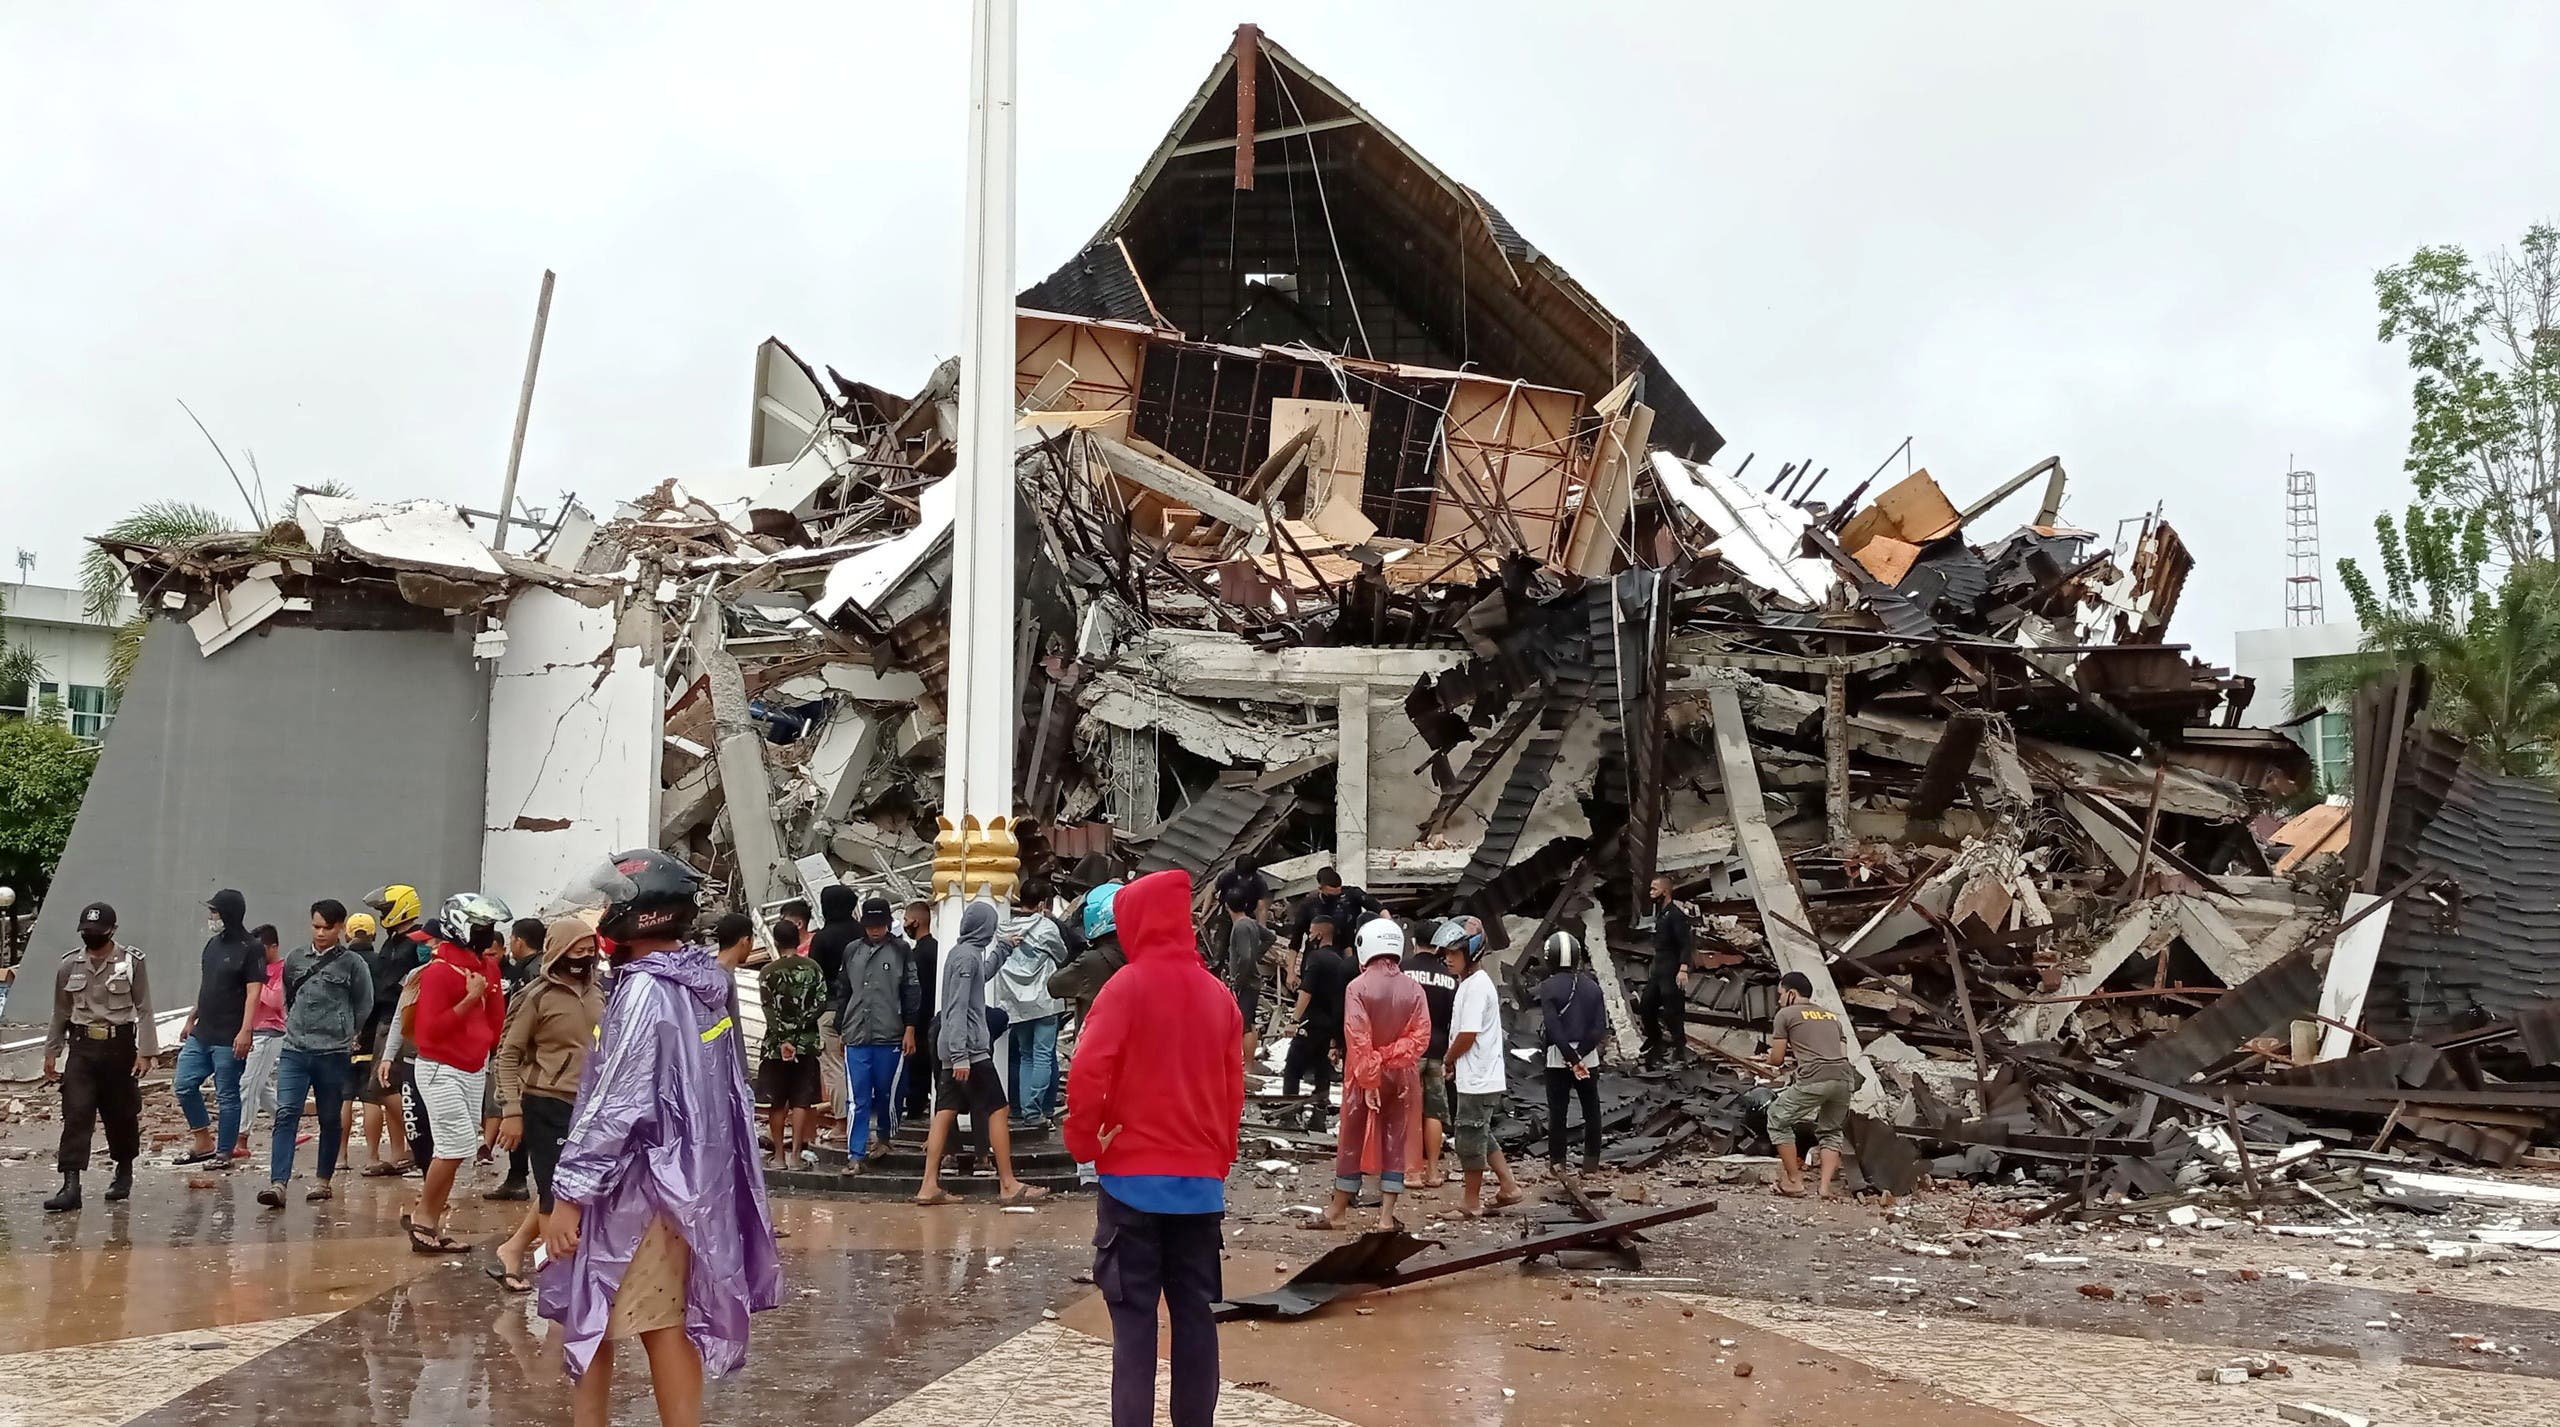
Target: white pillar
[
  {"x": 977, "y": 781},
  {"x": 1351, "y": 785}
]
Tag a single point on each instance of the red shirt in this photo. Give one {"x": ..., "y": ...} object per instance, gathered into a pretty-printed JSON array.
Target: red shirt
[
  {"x": 1161, "y": 1055},
  {"x": 445, "y": 1032}
]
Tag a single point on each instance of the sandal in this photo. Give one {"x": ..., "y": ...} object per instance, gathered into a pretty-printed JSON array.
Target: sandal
[
  {"x": 511, "y": 1282},
  {"x": 272, "y": 1196},
  {"x": 321, "y": 1193},
  {"x": 934, "y": 1200},
  {"x": 423, "y": 1240},
  {"x": 1023, "y": 1194},
  {"x": 379, "y": 1170}
]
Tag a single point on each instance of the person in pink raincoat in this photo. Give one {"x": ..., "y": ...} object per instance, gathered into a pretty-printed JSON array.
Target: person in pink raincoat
[
  {"x": 662, "y": 1230},
  {"x": 1386, "y": 1027}
]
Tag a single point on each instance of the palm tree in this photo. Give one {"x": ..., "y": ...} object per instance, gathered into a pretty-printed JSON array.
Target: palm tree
[
  {"x": 20, "y": 667},
  {"x": 2495, "y": 658},
  {"x": 162, "y": 524}
]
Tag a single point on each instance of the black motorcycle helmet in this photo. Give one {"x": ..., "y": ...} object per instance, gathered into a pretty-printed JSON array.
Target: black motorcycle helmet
[{"x": 643, "y": 894}]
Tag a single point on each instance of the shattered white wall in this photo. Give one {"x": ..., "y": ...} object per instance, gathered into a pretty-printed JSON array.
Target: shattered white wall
[{"x": 574, "y": 730}]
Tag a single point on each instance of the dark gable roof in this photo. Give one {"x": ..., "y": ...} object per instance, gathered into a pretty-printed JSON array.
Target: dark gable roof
[{"x": 1393, "y": 258}]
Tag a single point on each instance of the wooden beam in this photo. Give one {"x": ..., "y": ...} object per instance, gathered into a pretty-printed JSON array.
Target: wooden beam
[
  {"x": 1181, "y": 487},
  {"x": 1266, "y": 136},
  {"x": 1783, "y": 920}
]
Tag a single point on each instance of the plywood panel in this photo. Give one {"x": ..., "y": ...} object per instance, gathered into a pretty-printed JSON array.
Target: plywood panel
[
  {"x": 1508, "y": 461},
  {"x": 1344, "y": 430},
  {"x": 1106, "y": 361}
]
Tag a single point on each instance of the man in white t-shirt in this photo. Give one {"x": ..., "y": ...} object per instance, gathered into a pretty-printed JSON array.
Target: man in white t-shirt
[{"x": 1476, "y": 1073}]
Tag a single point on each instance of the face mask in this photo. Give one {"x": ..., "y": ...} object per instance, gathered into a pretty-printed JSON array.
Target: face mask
[
  {"x": 577, "y": 965},
  {"x": 213, "y": 924},
  {"x": 97, "y": 941}
]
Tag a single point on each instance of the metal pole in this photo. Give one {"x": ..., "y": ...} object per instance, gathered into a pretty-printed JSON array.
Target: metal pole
[{"x": 524, "y": 411}]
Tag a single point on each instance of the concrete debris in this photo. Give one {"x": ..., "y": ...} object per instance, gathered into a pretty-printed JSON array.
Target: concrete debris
[{"x": 1501, "y": 639}]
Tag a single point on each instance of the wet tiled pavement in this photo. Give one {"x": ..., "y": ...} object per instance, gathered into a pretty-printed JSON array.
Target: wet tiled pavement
[{"x": 190, "y": 1305}]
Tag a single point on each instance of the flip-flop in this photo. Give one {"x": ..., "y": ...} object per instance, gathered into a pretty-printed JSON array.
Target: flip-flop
[
  {"x": 935, "y": 1200},
  {"x": 320, "y": 1194},
  {"x": 1024, "y": 1194},
  {"x": 379, "y": 1170},
  {"x": 1790, "y": 1193},
  {"x": 511, "y": 1282}
]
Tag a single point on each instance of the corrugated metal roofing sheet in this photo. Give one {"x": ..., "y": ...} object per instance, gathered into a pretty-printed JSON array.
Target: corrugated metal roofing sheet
[{"x": 2493, "y": 954}]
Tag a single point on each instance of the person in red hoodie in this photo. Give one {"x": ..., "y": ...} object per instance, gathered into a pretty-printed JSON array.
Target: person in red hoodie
[
  {"x": 1153, "y": 1105},
  {"x": 459, "y": 1015}
]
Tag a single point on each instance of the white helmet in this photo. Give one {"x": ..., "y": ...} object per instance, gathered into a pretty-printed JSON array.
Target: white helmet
[
  {"x": 1379, "y": 937},
  {"x": 1563, "y": 950},
  {"x": 473, "y": 918}
]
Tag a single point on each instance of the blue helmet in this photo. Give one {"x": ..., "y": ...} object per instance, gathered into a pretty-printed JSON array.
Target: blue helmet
[{"x": 1098, "y": 920}]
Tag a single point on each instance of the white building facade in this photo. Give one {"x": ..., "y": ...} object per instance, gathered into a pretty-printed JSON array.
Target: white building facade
[
  {"x": 72, "y": 650},
  {"x": 2274, "y": 657}
]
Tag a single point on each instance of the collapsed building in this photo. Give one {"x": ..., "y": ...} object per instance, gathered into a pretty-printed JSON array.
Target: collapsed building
[{"x": 1354, "y": 531}]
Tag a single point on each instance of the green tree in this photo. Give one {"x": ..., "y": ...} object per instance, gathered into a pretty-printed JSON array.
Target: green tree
[
  {"x": 2483, "y": 338},
  {"x": 44, "y": 771},
  {"x": 2490, "y": 638}
]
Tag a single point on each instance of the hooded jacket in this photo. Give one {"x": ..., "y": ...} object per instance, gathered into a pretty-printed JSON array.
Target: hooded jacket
[
  {"x": 1161, "y": 1055},
  {"x": 665, "y": 1127},
  {"x": 551, "y": 1024},
  {"x": 234, "y": 963},
  {"x": 443, "y": 1030},
  {"x": 1021, "y": 981},
  {"x": 839, "y": 926},
  {"x": 960, "y": 1030}
]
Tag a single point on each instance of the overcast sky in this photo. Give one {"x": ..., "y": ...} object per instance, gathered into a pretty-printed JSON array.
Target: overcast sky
[{"x": 2139, "y": 236}]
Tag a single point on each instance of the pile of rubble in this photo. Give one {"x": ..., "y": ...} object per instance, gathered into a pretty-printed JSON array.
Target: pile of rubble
[{"x": 1490, "y": 627}]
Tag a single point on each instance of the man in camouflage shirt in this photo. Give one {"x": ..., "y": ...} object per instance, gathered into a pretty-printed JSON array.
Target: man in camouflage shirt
[{"x": 794, "y": 992}]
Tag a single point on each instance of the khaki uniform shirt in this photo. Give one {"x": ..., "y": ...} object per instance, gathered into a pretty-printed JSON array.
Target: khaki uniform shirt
[
  {"x": 1815, "y": 1044},
  {"x": 112, "y": 992}
]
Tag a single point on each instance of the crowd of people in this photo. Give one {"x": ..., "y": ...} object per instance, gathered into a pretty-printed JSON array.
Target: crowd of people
[{"x": 600, "y": 1051}]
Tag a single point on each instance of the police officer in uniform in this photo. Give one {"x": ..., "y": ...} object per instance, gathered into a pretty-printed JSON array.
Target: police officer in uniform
[{"x": 102, "y": 1006}]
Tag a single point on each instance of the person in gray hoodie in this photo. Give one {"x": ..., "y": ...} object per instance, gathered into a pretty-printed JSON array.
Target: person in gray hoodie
[
  {"x": 1026, "y": 957},
  {"x": 967, "y": 1053}
]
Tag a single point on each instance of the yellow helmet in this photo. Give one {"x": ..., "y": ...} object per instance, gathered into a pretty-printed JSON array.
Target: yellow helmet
[{"x": 396, "y": 904}]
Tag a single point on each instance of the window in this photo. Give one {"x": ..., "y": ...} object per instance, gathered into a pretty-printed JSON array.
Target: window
[
  {"x": 13, "y": 701},
  {"x": 2330, "y": 738},
  {"x": 93, "y": 708}
]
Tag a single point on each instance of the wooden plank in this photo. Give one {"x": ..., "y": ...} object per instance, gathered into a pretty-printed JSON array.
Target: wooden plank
[
  {"x": 1181, "y": 487},
  {"x": 1783, "y": 920}
]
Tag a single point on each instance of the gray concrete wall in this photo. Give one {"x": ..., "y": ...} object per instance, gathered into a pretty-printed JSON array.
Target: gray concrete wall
[{"x": 296, "y": 764}]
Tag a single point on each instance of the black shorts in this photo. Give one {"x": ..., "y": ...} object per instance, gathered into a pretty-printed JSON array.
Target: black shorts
[
  {"x": 980, "y": 1096},
  {"x": 546, "y": 1128},
  {"x": 789, "y": 1084}
]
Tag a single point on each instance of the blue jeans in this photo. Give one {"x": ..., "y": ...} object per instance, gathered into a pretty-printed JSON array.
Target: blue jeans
[
  {"x": 197, "y": 1060},
  {"x": 304, "y": 1075},
  {"x": 1035, "y": 1067},
  {"x": 870, "y": 1078}
]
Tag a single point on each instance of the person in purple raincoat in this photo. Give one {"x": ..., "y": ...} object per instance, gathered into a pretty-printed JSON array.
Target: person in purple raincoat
[{"x": 662, "y": 1231}]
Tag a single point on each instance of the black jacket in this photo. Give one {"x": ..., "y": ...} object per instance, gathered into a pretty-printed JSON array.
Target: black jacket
[
  {"x": 1672, "y": 942},
  {"x": 1349, "y": 908},
  {"x": 1575, "y": 1016},
  {"x": 841, "y": 928}
]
